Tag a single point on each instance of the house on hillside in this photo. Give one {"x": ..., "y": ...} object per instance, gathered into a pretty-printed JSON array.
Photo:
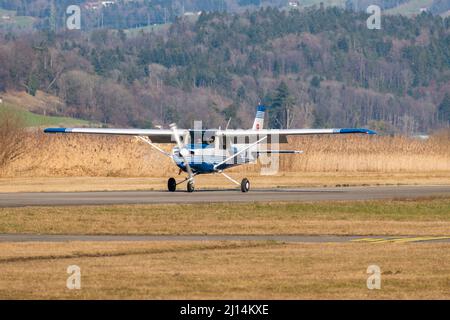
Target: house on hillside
[
  {"x": 108, "y": 3},
  {"x": 95, "y": 5},
  {"x": 92, "y": 5},
  {"x": 191, "y": 14}
]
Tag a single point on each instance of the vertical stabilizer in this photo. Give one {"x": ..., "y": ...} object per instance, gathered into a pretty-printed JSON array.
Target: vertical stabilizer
[{"x": 259, "y": 119}]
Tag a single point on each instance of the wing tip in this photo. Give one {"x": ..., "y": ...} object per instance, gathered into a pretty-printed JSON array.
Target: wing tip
[
  {"x": 366, "y": 131},
  {"x": 55, "y": 130}
]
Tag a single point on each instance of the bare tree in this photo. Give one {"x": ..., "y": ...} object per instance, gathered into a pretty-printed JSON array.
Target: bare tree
[{"x": 12, "y": 137}]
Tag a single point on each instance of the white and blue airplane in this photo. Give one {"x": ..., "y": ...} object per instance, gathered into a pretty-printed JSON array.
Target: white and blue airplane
[{"x": 200, "y": 151}]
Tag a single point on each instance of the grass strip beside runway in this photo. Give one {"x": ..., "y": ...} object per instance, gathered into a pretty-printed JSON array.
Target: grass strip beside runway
[{"x": 425, "y": 217}]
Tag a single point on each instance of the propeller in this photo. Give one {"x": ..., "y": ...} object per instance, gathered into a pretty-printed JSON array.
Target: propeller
[{"x": 184, "y": 152}]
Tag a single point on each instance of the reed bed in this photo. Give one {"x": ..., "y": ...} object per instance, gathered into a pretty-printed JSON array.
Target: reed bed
[
  {"x": 369, "y": 154},
  {"x": 106, "y": 156}
]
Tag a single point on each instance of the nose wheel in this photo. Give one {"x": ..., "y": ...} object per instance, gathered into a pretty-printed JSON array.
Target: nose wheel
[{"x": 190, "y": 186}]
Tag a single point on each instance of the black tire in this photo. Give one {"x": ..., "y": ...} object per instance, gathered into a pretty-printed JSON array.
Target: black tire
[
  {"x": 245, "y": 185},
  {"x": 190, "y": 186},
  {"x": 172, "y": 185}
]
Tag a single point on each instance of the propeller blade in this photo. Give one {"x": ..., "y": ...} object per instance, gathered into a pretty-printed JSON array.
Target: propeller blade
[{"x": 182, "y": 149}]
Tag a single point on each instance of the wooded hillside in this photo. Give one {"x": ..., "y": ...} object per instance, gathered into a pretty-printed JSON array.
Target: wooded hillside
[{"x": 312, "y": 68}]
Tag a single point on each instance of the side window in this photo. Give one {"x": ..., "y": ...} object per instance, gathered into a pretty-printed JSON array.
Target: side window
[{"x": 223, "y": 142}]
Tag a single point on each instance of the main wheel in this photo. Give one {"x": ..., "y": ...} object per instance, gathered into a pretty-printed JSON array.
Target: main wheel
[
  {"x": 245, "y": 185},
  {"x": 190, "y": 186},
  {"x": 172, "y": 185}
]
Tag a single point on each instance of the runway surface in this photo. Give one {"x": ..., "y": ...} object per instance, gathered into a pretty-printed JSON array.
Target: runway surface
[
  {"x": 272, "y": 195},
  {"x": 200, "y": 238}
]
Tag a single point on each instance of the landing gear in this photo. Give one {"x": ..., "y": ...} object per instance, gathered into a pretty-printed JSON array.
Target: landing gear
[
  {"x": 190, "y": 186},
  {"x": 172, "y": 185},
  {"x": 245, "y": 185}
]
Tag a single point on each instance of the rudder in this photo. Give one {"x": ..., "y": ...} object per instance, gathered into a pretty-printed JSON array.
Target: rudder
[{"x": 259, "y": 119}]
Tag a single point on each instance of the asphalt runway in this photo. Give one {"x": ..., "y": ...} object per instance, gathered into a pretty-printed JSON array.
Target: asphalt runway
[
  {"x": 202, "y": 238},
  {"x": 219, "y": 196}
]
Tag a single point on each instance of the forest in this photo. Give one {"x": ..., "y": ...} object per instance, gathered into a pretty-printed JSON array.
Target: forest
[
  {"x": 320, "y": 67},
  {"x": 123, "y": 14}
]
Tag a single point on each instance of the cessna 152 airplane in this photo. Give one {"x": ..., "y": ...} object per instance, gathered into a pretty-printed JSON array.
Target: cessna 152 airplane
[{"x": 200, "y": 151}]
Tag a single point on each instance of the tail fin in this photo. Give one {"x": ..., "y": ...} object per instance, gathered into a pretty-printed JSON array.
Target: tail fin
[{"x": 259, "y": 119}]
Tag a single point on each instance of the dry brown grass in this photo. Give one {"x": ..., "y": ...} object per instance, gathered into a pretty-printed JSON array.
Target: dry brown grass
[
  {"x": 370, "y": 154},
  {"x": 240, "y": 270},
  {"x": 96, "y": 156},
  {"x": 41, "y": 103},
  {"x": 415, "y": 217},
  {"x": 101, "y": 156}
]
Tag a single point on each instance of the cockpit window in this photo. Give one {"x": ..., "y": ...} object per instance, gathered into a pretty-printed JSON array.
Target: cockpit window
[{"x": 202, "y": 137}]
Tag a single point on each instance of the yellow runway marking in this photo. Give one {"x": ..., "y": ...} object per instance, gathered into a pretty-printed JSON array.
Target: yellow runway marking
[{"x": 399, "y": 240}]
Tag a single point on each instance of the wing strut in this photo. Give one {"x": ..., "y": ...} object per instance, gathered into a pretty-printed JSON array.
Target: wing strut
[
  {"x": 229, "y": 178},
  {"x": 147, "y": 140},
  {"x": 238, "y": 153}
]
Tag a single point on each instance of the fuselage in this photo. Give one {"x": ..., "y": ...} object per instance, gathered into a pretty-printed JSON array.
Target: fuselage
[
  {"x": 204, "y": 157},
  {"x": 207, "y": 151}
]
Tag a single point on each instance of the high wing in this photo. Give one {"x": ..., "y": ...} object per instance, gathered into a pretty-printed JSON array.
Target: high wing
[
  {"x": 155, "y": 135},
  {"x": 281, "y": 135},
  {"x": 166, "y": 136}
]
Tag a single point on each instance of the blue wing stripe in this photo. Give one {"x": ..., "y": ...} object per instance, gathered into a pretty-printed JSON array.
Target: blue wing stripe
[
  {"x": 367, "y": 131},
  {"x": 56, "y": 130}
]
